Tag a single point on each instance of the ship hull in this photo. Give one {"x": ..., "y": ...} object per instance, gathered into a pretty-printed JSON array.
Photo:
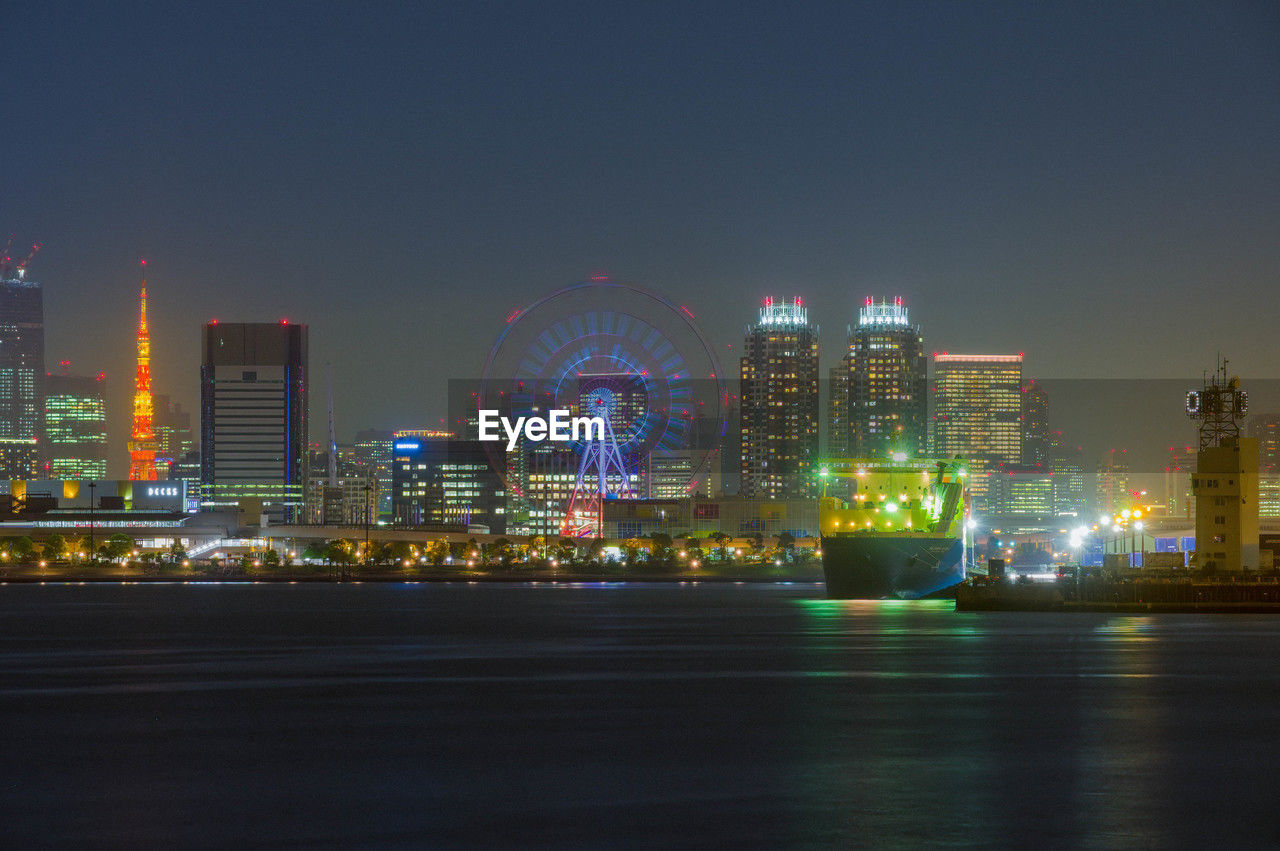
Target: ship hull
[{"x": 875, "y": 567}]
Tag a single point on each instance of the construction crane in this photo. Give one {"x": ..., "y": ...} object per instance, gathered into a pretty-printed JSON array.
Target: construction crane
[
  {"x": 22, "y": 267},
  {"x": 6, "y": 262}
]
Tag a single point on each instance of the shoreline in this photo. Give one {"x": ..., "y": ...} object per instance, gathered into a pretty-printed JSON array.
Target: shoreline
[{"x": 331, "y": 579}]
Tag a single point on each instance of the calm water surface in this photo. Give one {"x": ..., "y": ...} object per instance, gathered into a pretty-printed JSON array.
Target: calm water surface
[{"x": 640, "y": 715}]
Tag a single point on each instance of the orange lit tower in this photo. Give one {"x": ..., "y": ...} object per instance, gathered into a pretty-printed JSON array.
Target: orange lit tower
[{"x": 142, "y": 443}]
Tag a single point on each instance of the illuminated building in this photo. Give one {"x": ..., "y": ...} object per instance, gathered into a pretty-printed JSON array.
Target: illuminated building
[
  {"x": 1177, "y": 482},
  {"x": 349, "y": 501},
  {"x": 253, "y": 417},
  {"x": 1036, "y": 437},
  {"x": 439, "y": 480},
  {"x": 187, "y": 470},
  {"x": 1113, "y": 481},
  {"x": 1022, "y": 497},
  {"x": 1225, "y": 483},
  {"x": 879, "y": 392},
  {"x": 670, "y": 474},
  {"x": 1066, "y": 465},
  {"x": 174, "y": 437},
  {"x": 21, "y": 371},
  {"x": 1265, "y": 428},
  {"x": 549, "y": 475},
  {"x": 625, "y": 401},
  {"x": 779, "y": 403},
  {"x": 978, "y": 413},
  {"x": 142, "y": 439},
  {"x": 348, "y": 498},
  {"x": 76, "y": 426},
  {"x": 373, "y": 458},
  {"x": 742, "y": 518}
]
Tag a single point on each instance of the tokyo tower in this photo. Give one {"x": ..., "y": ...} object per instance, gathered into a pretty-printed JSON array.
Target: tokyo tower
[{"x": 142, "y": 442}]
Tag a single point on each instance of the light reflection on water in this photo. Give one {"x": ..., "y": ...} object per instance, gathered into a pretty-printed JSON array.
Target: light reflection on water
[{"x": 597, "y": 713}]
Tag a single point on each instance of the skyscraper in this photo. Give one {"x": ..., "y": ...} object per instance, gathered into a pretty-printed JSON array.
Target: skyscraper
[
  {"x": 21, "y": 371},
  {"x": 978, "y": 413},
  {"x": 779, "y": 373},
  {"x": 1113, "y": 481},
  {"x": 1066, "y": 465},
  {"x": 373, "y": 458},
  {"x": 173, "y": 435},
  {"x": 1178, "y": 501},
  {"x": 253, "y": 416},
  {"x": 1265, "y": 428},
  {"x": 1037, "y": 440},
  {"x": 76, "y": 426},
  {"x": 879, "y": 392}
]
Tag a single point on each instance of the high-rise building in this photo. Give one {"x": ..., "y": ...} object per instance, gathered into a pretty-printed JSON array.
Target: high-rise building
[
  {"x": 1178, "y": 500},
  {"x": 1037, "y": 439},
  {"x": 187, "y": 470},
  {"x": 21, "y": 371},
  {"x": 1022, "y": 496},
  {"x": 439, "y": 479},
  {"x": 373, "y": 458},
  {"x": 173, "y": 434},
  {"x": 978, "y": 414},
  {"x": 1113, "y": 481},
  {"x": 674, "y": 473},
  {"x": 142, "y": 439},
  {"x": 547, "y": 478},
  {"x": 1066, "y": 465},
  {"x": 879, "y": 392},
  {"x": 779, "y": 373},
  {"x": 76, "y": 426},
  {"x": 253, "y": 416},
  {"x": 1265, "y": 428}
]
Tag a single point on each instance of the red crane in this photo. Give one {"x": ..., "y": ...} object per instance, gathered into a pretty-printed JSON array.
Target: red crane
[{"x": 22, "y": 267}]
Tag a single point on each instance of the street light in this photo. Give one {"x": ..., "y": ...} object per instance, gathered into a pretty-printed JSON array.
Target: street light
[
  {"x": 92, "y": 485},
  {"x": 368, "y": 551}
]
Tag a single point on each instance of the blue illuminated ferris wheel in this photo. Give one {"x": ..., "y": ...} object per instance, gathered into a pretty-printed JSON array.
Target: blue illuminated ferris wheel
[{"x": 601, "y": 348}]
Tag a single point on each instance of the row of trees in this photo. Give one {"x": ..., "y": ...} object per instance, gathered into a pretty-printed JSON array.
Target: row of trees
[
  {"x": 79, "y": 550},
  {"x": 657, "y": 550}
]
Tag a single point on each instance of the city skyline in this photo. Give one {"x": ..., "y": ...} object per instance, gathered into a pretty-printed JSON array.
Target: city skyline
[
  {"x": 590, "y": 424},
  {"x": 1082, "y": 426},
  {"x": 1079, "y": 167}
]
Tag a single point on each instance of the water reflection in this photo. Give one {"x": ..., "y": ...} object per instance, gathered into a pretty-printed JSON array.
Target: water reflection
[{"x": 593, "y": 714}]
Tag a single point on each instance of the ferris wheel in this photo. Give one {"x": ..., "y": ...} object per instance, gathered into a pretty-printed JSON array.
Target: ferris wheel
[{"x": 624, "y": 354}]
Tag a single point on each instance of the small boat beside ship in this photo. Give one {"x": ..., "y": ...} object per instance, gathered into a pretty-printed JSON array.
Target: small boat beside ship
[{"x": 892, "y": 529}]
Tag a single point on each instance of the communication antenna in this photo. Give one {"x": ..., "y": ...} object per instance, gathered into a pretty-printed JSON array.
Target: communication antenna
[
  {"x": 333, "y": 434},
  {"x": 1219, "y": 406}
]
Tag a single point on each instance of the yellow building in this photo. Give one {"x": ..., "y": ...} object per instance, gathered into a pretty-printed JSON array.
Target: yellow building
[{"x": 1225, "y": 486}]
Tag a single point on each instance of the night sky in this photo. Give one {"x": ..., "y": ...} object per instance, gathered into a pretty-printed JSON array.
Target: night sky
[{"x": 1096, "y": 185}]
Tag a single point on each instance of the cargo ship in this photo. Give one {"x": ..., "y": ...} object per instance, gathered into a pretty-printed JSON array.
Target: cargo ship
[{"x": 892, "y": 529}]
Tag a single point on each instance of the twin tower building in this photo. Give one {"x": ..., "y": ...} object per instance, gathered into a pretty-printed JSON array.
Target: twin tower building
[{"x": 877, "y": 400}]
